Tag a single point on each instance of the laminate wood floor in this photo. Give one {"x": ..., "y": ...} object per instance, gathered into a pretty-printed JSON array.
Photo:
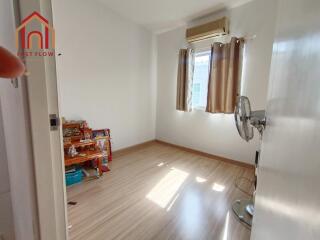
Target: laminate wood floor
[{"x": 159, "y": 192}]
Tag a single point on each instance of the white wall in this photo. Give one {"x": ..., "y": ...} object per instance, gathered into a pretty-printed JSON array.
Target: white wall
[
  {"x": 94, "y": 85},
  {"x": 105, "y": 72},
  {"x": 216, "y": 133}
]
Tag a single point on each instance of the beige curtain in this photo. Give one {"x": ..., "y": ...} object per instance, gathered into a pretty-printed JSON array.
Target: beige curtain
[
  {"x": 224, "y": 76},
  {"x": 185, "y": 79}
]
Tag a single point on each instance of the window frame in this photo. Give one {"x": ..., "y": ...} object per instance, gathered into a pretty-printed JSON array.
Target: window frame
[{"x": 199, "y": 52}]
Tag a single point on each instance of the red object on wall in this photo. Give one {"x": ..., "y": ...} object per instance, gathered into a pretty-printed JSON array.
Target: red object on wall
[{"x": 110, "y": 155}]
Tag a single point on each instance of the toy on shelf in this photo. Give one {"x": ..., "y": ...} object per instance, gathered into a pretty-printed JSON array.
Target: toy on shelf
[
  {"x": 102, "y": 137},
  {"x": 104, "y": 134},
  {"x": 83, "y": 145}
]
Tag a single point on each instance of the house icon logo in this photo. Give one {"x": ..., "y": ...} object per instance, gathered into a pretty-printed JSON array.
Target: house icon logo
[{"x": 35, "y": 33}]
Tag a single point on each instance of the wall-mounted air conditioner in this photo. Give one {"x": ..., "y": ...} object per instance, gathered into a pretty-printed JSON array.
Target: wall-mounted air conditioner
[{"x": 208, "y": 30}]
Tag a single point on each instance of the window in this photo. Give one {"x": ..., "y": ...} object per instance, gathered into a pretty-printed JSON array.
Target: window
[{"x": 200, "y": 80}]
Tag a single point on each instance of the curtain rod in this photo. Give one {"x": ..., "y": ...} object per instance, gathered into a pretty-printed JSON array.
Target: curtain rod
[{"x": 246, "y": 38}]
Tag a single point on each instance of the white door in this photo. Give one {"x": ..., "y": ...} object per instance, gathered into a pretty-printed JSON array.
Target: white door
[
  {"x": 18, "y": 213},
  {"x": 6, "y": 216},
  {"x": 288, "y": 194}
]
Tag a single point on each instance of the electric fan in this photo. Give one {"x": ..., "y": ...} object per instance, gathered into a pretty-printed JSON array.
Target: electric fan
[{"x": 246, "y": 120}]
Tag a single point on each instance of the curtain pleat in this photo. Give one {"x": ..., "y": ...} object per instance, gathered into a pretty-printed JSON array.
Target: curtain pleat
[
  {"x": 224, "y": 76},
  {"x": 184, "y": 80}
]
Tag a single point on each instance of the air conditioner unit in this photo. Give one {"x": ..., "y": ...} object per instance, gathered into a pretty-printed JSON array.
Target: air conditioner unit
[{"x": 208, "y": 30}]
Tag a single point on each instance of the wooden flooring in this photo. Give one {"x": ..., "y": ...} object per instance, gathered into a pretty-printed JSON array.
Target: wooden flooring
[{"x": 159, "y": 192}]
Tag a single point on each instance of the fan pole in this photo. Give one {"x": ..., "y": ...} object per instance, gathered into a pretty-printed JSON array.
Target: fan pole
[{"x": 245, "y": 120}]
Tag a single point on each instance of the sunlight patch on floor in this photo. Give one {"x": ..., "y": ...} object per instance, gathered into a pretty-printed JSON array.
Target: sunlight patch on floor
[
  {"x": 172, "y": 202},
  {"x": 200, "y": 179},
  {"x": 168, "y": 186},
  {"x": 218, "y": 188}
]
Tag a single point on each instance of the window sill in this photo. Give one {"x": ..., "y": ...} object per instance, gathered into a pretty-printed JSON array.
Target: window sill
[{"x": 199, "y": 109}]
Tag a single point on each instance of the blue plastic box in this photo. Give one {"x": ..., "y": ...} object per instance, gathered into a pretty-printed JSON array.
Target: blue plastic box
[{"x": 74, "y": 177}]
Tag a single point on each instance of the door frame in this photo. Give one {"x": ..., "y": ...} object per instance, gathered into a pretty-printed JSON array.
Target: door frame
[{"x": 42, "y": 96}]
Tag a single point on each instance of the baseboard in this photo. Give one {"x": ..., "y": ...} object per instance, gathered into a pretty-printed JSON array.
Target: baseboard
[
  {"x": 223, "y": 159},
  {"x": 130, "y": 149},
  {"x": 139, "y": 146}
]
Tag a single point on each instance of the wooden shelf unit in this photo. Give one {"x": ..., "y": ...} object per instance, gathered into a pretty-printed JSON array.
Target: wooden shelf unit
[{"x": 84, "y": 154}]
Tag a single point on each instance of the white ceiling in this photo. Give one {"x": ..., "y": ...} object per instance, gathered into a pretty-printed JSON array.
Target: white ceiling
[{"x": 161, "y": 15}]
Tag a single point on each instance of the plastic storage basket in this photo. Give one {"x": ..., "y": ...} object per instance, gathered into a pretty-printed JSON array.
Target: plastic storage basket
[{"x": 74, "y": 177}]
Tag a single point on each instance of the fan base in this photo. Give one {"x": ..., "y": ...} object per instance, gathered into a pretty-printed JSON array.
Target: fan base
[{"x": 243, "y": 209}]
